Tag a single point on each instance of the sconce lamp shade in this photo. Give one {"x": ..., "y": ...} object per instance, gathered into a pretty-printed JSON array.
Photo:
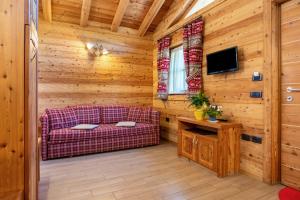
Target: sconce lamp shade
[
  {"x": 96, "y": 49},
  {"x": 105, "y": 52},
  {"x": 89, "y": 45}
]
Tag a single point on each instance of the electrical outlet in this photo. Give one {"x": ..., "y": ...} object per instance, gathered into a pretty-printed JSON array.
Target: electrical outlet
[
  {"x": 256, "y": 139},
  {"x": 256, "y": 94},
  {"x": 246, "y": 137},
  {"x": 256, "y": 76},
  {"x": 251, "y": 138}
]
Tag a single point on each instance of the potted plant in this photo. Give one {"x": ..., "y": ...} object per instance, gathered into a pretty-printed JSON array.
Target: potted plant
[
  {"x": 200, "y": 102},
  {"x": 213, "y": 112}
]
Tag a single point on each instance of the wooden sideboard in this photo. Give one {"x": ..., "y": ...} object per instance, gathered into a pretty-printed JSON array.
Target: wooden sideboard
[{"x": 213, "y": 145}]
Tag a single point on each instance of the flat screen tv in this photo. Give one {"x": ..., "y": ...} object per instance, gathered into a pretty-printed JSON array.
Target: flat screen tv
[{"x": 222, "y": 61}]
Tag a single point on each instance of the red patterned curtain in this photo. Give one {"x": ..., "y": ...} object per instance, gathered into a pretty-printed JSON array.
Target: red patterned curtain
[
  {"x": 193, "y": 54},
  {"x": 163, "y": 65}
]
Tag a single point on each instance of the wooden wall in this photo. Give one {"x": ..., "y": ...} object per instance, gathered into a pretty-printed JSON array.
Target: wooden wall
[
  {"x": 69, "y": 76},
  {"x": 231, "y": 23},
  {"x": 11, "y": 96}
]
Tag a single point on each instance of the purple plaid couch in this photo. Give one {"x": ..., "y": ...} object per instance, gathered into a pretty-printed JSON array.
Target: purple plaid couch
[{"x": 58, "y": 140}]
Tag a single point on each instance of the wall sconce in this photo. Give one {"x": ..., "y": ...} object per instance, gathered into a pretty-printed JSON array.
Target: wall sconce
[{"x": 96, "y": 49}]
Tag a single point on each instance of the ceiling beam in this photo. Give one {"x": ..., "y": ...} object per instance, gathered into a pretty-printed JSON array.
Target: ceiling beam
[
  {"x": 123, "y": 4},
  {"x": 85, "y": 12},
  {"x": 47, "y": 10},
  {"x": 184, "y": 6},
  {"x": 154, "y": 9}
]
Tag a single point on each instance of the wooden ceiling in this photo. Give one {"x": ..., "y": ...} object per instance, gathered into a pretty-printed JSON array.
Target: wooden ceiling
[{"x": 142, "y": 15}]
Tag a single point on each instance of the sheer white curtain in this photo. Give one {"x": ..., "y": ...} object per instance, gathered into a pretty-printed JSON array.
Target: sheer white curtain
[{"x": 177, "y": 73}]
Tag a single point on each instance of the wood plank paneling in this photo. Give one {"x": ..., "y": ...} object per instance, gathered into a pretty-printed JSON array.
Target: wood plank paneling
[
  {"x": 231, "y": 23},
  {"x": 11, "y": 96},
  {"x": 289, "y": 135},
  {"x": 290, "y": 176},
  {"x": 69, "y": 76},
  {"x": 31, "y": 105}
]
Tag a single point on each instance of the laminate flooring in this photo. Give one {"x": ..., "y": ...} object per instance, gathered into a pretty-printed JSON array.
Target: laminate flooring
[{"x": 150, "y": 173}]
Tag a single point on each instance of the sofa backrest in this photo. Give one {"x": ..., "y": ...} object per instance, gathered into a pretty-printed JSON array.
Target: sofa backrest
[
  {"x": 88, "y": 114},
  {"x": 61, "y": 118},
  {"x": 96, "y": 114},
  {"x": 114, "y": 114},
  {"x": 140, "y": 114}
]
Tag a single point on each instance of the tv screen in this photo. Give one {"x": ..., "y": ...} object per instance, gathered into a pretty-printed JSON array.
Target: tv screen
[{"x": 222, "y": 61}]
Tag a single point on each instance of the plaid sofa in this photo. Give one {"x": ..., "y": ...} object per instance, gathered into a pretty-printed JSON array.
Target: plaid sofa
[{"x": 59, "y": 140}]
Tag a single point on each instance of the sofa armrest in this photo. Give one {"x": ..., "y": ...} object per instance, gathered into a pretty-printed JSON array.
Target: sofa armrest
[
  {"x": 44, "y": 119},
  {"x": 155, "y": 117}
]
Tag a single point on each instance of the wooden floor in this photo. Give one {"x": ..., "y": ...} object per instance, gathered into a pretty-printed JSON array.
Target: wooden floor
[{"x": 154, "y": 173}]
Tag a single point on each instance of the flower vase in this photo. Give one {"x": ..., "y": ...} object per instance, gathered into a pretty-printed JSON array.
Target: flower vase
[
  {"x": 199, "y": 114},
  {"x": 212, "y": 118}
]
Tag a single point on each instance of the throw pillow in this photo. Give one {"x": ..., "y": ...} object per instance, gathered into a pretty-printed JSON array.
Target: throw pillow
[
  {"x": 56, "y": 118},
  {"x": 114, "y": 114},
  {"x": 61, "y": 118},
  {"x": 134, "y": 114},
  {"x": 146, "y": 115},
  {"x": 139, "y": 114},
  {"x": 70, "y": 118},
  {"x": 88, "y": 114}
]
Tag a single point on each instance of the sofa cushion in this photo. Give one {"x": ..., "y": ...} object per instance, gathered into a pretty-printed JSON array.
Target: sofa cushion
[
  {"x": 114, "y": 114},
  {"x": 70, "y": 118},
  {"x": 88, "y": 114},
  {"x": 103, "y": 131},
  {"x": 134, "y": 114},
  {"x": 61, "y": 118},
  {"x": 139, "y": 114},
  {"x": 56, "y": 118}
]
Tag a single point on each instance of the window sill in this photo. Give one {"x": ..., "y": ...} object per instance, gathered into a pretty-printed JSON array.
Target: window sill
[{"x": 177, "y": 94}]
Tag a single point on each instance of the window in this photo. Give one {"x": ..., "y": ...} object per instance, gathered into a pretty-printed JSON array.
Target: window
[
  {"x": 198, "y": 6},
  {"x": 177, "y": 74}
]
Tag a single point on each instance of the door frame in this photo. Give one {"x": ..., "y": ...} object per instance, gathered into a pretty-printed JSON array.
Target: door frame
[{"x": 272, "y": 90}]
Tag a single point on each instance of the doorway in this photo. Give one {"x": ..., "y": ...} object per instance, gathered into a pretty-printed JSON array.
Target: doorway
[{"x": 290, "y": 93}]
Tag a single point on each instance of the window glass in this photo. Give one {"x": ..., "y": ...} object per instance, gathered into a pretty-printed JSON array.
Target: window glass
[
  {"x": 198, "y": 6},
  {"x": 177, "y": 73}
]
